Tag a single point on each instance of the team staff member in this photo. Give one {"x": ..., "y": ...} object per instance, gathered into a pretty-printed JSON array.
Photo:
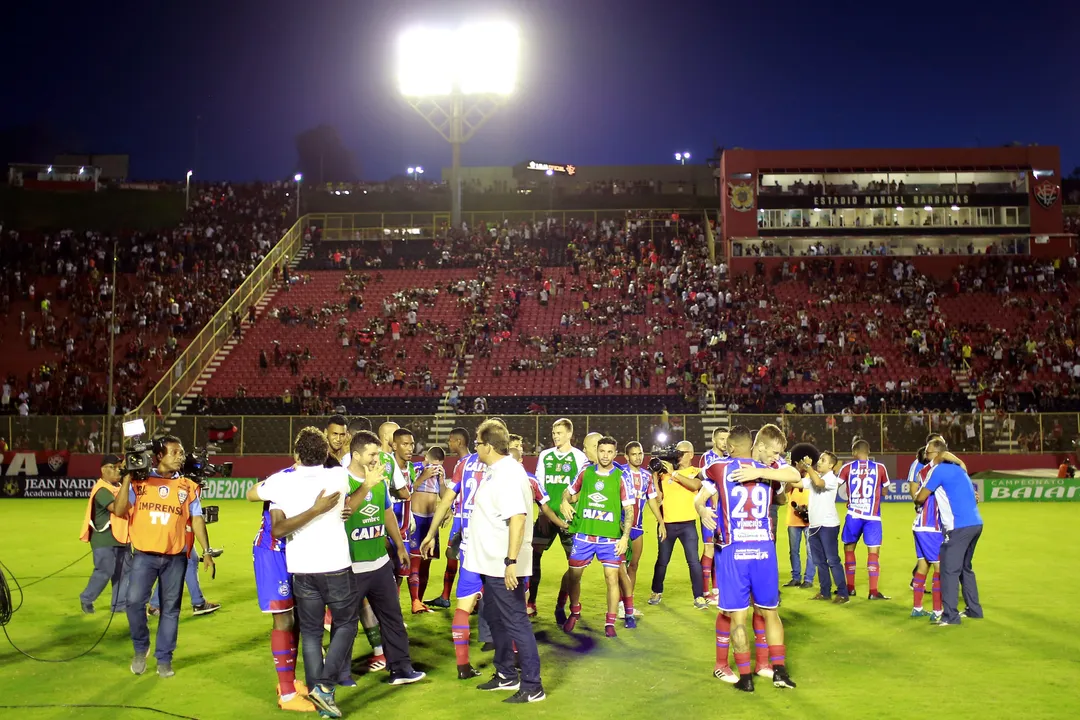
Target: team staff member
[
  {"x": 108, "y": 538},
  {"x": 797, "y": 531},
  {"x": 962, "y": 525},
  {"x": 678, "y": 489},
  {"x": 500, "y": 526},
  {"x": 824, "y": 533},
  {"x": 161, "y": 508}
]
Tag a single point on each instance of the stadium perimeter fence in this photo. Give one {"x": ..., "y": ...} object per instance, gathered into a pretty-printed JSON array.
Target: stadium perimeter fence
[{"x": 898, "y": 433}]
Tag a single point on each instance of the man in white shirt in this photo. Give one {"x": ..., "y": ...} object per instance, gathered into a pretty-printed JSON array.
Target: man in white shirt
[
  {"x": 306, "y": 504},
  {"x": 500, "y": 525},
  {"x": 824, "y": 531}
]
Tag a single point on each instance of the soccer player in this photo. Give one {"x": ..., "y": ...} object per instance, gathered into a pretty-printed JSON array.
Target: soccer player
[
  {"x": 599, "y": 496},
  {"x": 425, "y": 496},
  {"x": 460, "y": 494},
  {"x": 718, "y": 453},
  {"x": 556, "y": 468},
  {"x": 458, "y": 445},
  {"x": 368, "y": 526},
  {"x": 746, "y": 569},
  {"x": 540, "y": 497},
  {"x": 273, "y": 585},
  {"x": 928, "y": 538},
  {"x": 865, "y": 481},
  {"x": 640, "y": 487},
  {"x": 626, "y": 587},
  {"x": 406, "y": 476}
]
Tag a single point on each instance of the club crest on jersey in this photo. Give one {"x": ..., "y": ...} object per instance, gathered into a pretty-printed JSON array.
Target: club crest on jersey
[
  {"x": 181, "y": 495},
  {"x": 163, "y": 491},
  {"x": 367, "y": 498},
  {"x": 566, "y": 467},
  {"x": 599, "y": 485}
]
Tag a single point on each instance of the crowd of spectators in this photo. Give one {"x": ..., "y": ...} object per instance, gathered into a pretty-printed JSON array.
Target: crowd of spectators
[{"x": 169, "y": 283}]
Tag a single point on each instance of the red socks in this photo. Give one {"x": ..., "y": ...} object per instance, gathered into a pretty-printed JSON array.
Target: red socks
[
  {"x": 873, "y": 570},
  {"x": 574, "y": 609},
  {"x": 283, "y": 647},
  {"x": 425, "y": 573},
  {"x": 849, "y": 569},
  {"x": 609, "y": 618},
  {"x": 628, "y": 605},
  {"x": 459, "y": 631},
  {"x": 723, "y": 639},
  {"x": 742, "y": 662},
  {"x": 414, "y": 577},
  {"x": 706, "y": 572},
  {"x": 936, "y": 592},
  {"x": 761, "y": 647},
  {"x": 776, "y": 654},
  {"x": 920, "y": 590},
  {"x": 448, "y": 577}
]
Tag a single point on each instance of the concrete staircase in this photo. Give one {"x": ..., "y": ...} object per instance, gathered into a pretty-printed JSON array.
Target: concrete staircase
[
  {"x": 220, "y": 355},
  {"x": 992, "y": 441},
  {"x": 715, "y": 416},
  {"x": 445, "y": 417}
]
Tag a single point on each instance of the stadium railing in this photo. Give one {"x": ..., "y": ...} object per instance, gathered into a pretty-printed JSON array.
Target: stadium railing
[
  {"x": 273, "y": 434},
  {"x": 196, "y": 356},
  {"x": 390, "y": 225}
]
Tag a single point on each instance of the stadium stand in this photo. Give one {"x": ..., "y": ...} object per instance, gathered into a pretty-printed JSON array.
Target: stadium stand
[{"x": 55, "y": 293}]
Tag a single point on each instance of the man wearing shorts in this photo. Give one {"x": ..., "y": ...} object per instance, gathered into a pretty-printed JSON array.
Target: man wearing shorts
[
  {"x": 556, "y": 468},
  {"x": 642, "y": 490},
  {"x": 603, "y": 509},
  {"x": 273, "y": 583},
  {"x": 866, "y": 481}
]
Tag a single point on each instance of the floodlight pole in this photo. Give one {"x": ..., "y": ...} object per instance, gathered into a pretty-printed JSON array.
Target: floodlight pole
[
  {"x": 107, "y": 444},
  {"x": 456, "y": 118}
]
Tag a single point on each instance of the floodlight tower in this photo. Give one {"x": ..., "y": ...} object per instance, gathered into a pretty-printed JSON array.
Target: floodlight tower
[{"x": 456, "y": 79}]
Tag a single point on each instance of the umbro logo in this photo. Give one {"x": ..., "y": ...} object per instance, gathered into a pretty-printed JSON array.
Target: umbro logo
[
  {"x": 369, "y": 511},
  {"x": 598, "y": 497}
]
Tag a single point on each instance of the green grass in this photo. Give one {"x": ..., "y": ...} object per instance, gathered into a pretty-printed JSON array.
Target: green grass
[{"x": 861, "y": 660}]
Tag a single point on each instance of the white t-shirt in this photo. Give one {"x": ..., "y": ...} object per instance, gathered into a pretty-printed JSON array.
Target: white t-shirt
[
  {"x": 504, "y": 493},
  {"x": 320, "y": 546},
  {"x": 822, "y": 503}
]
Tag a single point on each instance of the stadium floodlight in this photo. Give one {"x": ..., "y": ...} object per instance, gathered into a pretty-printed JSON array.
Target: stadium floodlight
[
  {"x": 419, "y": 170},
  {"x": 661, "y": 437},
  {"x": 50, "y": 169},
  {"x": 927, "y": 208},
  {"x": 298, "y": 177},
  {"x": 682, "y": 157},
  {"x": 456, "y": 79},
  {"x": 187, "y": 189}
]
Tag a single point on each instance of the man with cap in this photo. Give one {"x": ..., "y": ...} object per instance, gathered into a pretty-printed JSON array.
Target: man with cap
[{"x": 108, "y": 537}]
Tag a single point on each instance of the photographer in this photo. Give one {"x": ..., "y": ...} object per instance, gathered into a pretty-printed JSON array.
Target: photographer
[
  {"x": 679, "y": 485},
  {"x": 798, "y": 521},
  {"x": 108, "y": 537},
  {"x": 162, "y": 506},
  {"x": 824, "y": 523}
]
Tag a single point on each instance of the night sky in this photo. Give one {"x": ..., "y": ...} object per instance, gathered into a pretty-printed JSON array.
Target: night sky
[{"x": 602, "y": 82}]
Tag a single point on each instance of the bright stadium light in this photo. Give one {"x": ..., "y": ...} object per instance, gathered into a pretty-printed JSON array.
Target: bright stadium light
[{"x": 456, "y": 78}]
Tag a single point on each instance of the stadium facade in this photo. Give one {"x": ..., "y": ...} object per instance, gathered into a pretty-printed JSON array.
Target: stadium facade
[{"x": 922, "y": 201}]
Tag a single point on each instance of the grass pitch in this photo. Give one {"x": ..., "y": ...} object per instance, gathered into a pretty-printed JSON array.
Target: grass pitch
[{"x": 860, "y": 660}]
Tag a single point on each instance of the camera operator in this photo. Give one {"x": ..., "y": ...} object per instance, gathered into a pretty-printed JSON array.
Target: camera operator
[
  {"x": 108, "y": 537},
  {"x": 798, "y": 521},
  {"x": 824, "y": 523},
  {"x": 162, "y": 506},
  {"x": 679, "y": 485}
]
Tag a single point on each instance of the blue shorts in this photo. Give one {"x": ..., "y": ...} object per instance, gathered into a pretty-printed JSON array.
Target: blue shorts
[
  {"x": 868, "y": 530},
  {"x": 744, "y": 570},
  {"x": 423, "y": 524},
  {"x": 928, "y": 545},
  {"x": 398, "y": 507},
  {"x": 273, "y": 583},
  {"x": 468, "y": 582},
  {"x": 583, "y": 552},
  {"x": 635, "y": 533}
]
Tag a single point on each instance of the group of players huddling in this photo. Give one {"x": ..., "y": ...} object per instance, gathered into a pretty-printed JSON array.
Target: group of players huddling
[{"x": 595, "y": 508}]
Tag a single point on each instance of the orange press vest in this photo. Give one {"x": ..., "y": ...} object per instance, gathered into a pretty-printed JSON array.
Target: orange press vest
[
  {"x": 118, "y": 525},
  {"x": 161, "y": 515}
]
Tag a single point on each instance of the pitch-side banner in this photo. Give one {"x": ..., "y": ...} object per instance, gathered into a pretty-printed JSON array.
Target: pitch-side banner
[
  {"x": 41, "y": 474},
  {"x": 1021, "y": 487}
]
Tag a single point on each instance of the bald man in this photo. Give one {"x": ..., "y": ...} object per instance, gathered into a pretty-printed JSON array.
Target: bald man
[{"x": 679, "y": 485}]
